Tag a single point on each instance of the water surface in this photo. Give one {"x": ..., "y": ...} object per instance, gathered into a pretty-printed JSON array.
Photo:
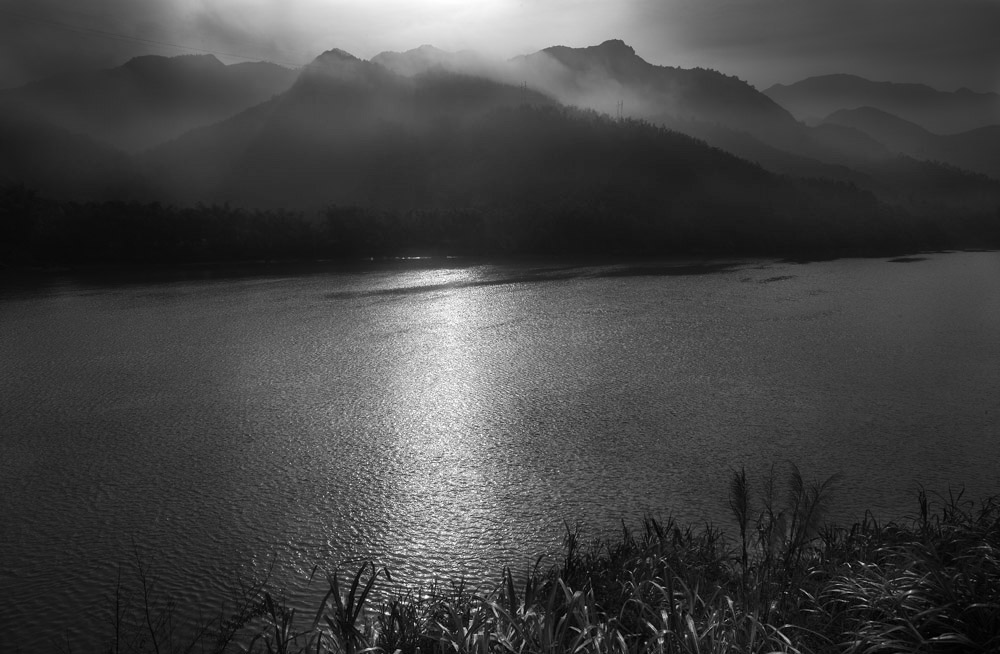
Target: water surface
[{"x": 446, "y": 418}]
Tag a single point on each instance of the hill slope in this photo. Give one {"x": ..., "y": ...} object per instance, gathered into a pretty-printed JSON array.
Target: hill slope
[
  {"x": 517, "y": 167},
  {"x": 976, "y": 150},
  {"x": 352, "y": 131},
  {"x": 937, "y": 111},
  {"x": 383, "y": 162},
  {"x": 62, "y": 164},
  {"x": 601, "y": 76},
  {"x": 149, "y": 99}
]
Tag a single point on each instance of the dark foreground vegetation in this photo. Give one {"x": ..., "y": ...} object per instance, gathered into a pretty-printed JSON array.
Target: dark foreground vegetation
[
  {"x": 784, "y": 583},
  {"x": 37, "y": 231}
]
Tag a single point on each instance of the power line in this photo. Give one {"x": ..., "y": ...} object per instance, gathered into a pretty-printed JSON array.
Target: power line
[{"x": 124, "y": 37}]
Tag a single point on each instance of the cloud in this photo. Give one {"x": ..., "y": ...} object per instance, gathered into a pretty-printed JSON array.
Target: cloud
[
  {"x": 945, "y": 42},
  {"x": 57, "y": 34},
  {"x": 45, "y": 37}
]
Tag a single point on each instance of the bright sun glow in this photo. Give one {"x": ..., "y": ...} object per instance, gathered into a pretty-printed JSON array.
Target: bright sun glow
[{"x": 305, "y": 28}]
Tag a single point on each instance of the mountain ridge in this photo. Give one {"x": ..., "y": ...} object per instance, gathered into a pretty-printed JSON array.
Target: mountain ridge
[
  {"x": 942, "y": 112},
  {"x": 602, "y": 76},
  {"x": 149, "y": 99},
  {"x": 354, "y": 132},
  {"x": 976, "y": 150}
]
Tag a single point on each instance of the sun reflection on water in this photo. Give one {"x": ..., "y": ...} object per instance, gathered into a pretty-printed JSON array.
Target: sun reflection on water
[{"x": 444, "y": 398}]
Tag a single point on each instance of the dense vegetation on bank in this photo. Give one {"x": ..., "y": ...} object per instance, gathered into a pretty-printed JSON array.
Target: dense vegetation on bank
[
  {"x": 785, "y": 583},
  {"x": 37, "y": 231}
]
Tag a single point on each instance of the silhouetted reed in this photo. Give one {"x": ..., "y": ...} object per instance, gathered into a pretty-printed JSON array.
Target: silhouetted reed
[{"x": 790, "y": 583}]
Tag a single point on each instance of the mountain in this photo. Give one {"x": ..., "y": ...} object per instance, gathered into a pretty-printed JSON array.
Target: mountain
[
  {"x": 149, "y": 99},
  {"x": 427, "y": 59},
  {"x": 977, "y": 150},
  {"x": 612, "y": 79},
  {"x": 354, "y": 133},
  {"x": 774, "y": 159},
  {"x": 723, "y": 110},
  {"x": 897, "y": 134},
  {"x": 355, "y": 158},
  {"x": 193, "y": 167},
  {"x": 348, "y": 130},
  {"x": 937, "y": 111},
  {"x": 602, "y": 76},
  {"x": 62, "y": 164}
]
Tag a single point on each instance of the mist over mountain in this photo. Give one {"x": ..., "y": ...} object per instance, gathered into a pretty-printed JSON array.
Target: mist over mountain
[
  {"x": 611, "y": 78},
  {"x": 599, "y": 77},
  {"x": 428, "y": 58},
  {"x": 565, "y": 150},
  {"x": 937, "y": 111},
  {"x": 351, "y": 131},
  {"x": 975, "y": 150},
  {"x": 898, "y": 134},
  {"x": 149, "y": 99},
  {"x": 63, "y": 164},
  {"x": 722, "y": 110},
  {"x": 347, "y": 131}
]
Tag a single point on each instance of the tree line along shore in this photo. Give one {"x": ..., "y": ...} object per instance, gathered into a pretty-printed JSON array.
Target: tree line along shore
[{"x": 38, "y": 231}]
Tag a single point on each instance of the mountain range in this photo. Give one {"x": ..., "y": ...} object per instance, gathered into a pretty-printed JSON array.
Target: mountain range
[
  {"x": 976, "y": 150},
  {"x": 942, "y": 112},
  {"x": 594, "y": 131}
]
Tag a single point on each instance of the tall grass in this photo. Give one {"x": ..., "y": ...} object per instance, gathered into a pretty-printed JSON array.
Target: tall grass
[{"x": 789, "y": 583}]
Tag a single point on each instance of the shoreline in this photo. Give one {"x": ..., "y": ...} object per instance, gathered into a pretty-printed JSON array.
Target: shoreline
[{"x": 784, "y": 581}]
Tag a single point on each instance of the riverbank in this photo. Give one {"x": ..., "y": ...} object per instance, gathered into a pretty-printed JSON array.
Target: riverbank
[
  {"x": 41, "y": 233},
  {"x": 783, "y": 581}
]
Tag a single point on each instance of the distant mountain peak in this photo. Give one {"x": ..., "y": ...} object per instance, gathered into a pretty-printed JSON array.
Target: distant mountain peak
[
  {"x": 854, "y": 82},
  {"x": 425, "y": 49},
  {"x": 614, "y": 49},
  {"x": 335, "y": 55},
  {"x": 616, "y": 45},
  {"x": 941, "y": 112},
  {"x": 613, "y": 57},
  {"x": 850, "y": 81},
  {"x": 428, "y": 58},
  {"x": 337, "y": 63}
]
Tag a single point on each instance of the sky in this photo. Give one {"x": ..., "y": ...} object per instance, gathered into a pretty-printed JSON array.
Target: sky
[{"x": 944, "y": 43}]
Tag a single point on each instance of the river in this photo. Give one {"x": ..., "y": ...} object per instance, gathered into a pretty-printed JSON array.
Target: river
[{"x": 446, "y": 418}]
